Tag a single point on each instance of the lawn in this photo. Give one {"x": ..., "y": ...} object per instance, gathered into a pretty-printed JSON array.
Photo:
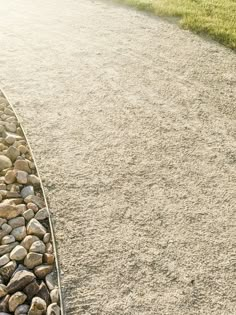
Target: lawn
[{"x": 216, "y": 18}]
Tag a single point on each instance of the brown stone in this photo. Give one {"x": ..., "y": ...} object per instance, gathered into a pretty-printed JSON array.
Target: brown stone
[
  {"x": 9, "y": 211},
  {"x": 42, "y": 271},
  {"x": 48, "y": 258},
  {"x": 31, "y": 289}
]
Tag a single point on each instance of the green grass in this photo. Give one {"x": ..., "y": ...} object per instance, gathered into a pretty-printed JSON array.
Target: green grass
[{"x": 216, "y": 18}]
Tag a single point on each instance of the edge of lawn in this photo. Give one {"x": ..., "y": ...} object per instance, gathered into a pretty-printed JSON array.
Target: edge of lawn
[{"x": 182, "y": 20}]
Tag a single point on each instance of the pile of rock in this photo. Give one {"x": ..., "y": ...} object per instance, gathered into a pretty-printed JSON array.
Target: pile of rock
[{"x": 27, "y": 271}]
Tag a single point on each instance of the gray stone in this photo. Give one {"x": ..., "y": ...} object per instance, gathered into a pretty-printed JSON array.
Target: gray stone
[
  {"x": 33, "y": 259},
  {"x": 42, "y": 214},
  {"x": 15, "y": 300},
  {"x": 51, "y": 280},
  {"x": 38, "y": 306},
  {"x": 34, "y": 227},
  {"x": 16, "y": 222},
  {"x": 19, "y": 281},
  {"x": 10, "y": 139},
  {"x": 4, "y": 260},
  {"x": 38, "y": 247},
  {"x": 18, "y": 253},
  {"x": 47, "y": 238},
  {"x": 13, "y": 153},
  {"x": 2, "y": 221},
  {"x": 6, "y": 228},
  {"x": 19, "y": 233},
  {"x": 22, "y": 309},
  {"x": 28, "y": 214},
  {"x": 27, "y": 191},
  {"x": 5, "y": 162},
  {"x": 21, "y": 177}
]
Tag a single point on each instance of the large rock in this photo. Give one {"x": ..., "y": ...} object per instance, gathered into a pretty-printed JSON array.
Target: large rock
[
  {"x": 16, "y": 222},
  {"x": 19, "y": 233},
  {"x": 42, "y": 271},
  {"x": 19, "y": 281},
  {"x": 34, "y": 227},
  {"x": 27, "y": 191},
  {"x": 31, "y": 289},
  {"x": 22, "y": 165},
  {"x": 5, "y": 162},
  {"x": 42, "y": 214},
  {"x": 38, "y": 247},
  {"x": 32, "y": 260},
  {"x": 15, "y": 300},
  {"x": 28, "y": 214},
  {"x": 7, "y": 270},
  {"x": 21, "y": 177},
  {"x": 9, "y": 211},
  {"x": 18, "y": 253},
  {"x": 38, "y": 306}
]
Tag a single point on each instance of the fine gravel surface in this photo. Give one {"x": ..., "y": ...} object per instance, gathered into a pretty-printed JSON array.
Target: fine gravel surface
[{"x": 133, "y": 124}]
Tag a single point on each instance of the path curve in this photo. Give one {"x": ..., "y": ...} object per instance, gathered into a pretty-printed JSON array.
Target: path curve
[{"x": 134, "y": 121}]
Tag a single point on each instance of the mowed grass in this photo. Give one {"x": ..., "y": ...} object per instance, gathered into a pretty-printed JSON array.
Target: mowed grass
[{"x": 216, "y": 18}]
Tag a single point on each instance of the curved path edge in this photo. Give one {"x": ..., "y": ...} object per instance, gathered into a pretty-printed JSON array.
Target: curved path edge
[{"x": 57, "y": 265}]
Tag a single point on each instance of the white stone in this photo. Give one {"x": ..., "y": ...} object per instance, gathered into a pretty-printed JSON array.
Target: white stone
[{"x": 18, "y": 253}]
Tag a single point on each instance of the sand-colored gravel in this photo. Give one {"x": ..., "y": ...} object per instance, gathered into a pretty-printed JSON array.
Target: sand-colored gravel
[{"x": 132, "y": 122}]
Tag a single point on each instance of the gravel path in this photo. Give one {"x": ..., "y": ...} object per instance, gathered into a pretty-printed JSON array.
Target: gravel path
[{"x": 132, "y": 122}]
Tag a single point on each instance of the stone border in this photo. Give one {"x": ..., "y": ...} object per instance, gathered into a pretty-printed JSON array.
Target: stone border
[{"x": 8, "y": 206}]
